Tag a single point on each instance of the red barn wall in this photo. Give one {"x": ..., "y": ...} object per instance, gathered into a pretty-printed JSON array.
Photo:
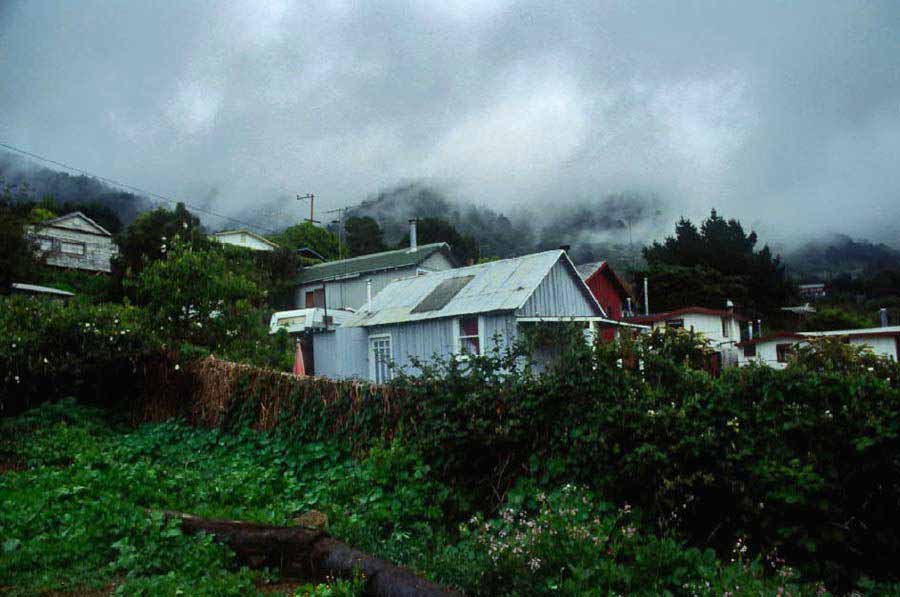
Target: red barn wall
[{"x": 610, "y": 298}]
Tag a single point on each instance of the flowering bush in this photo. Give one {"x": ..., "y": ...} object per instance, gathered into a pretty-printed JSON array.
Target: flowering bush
[
  {"x": 570, "y": 542},
  {"x": 51, "y": 349}
]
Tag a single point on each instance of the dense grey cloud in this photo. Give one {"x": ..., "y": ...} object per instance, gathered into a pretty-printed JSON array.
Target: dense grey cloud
[{"x": 786, "y": 115}]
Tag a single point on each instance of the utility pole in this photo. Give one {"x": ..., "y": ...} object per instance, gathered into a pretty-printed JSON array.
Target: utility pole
[
  {"x": 312, "y": 201},
  {"x": 340, "y": 225}
]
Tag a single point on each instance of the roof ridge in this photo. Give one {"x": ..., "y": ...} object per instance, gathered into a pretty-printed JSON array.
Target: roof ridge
[{"x": 380, "y": 253}]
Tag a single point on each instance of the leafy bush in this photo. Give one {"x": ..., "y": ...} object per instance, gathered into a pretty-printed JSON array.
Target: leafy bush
[
  {"x": 81, "y": 523},
  {"x": 50, "y": 349}
]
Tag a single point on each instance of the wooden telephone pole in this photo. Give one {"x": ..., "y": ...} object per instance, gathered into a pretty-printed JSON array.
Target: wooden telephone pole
[{"x": 312, "y": 200}]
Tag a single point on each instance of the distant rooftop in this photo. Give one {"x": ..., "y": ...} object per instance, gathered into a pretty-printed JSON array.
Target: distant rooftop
[{"x": 375, "y": 262}]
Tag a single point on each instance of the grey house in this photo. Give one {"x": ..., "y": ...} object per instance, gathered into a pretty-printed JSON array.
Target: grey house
[
  {"x": 344, "y": 284},
  {"x": 75, "y": 241},
  {"x": 453, "y": 312}
]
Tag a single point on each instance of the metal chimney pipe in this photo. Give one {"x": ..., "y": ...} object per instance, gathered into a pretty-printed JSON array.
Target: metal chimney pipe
[
  {"x": 628, "y": 306},
  {"x": 413, "y": 244},
  {"x": 646, "y": 297},
  {"x": 883, "y": 317},
  {"x": 750, "y": 330},
  {"x": 369, "y": 294}
]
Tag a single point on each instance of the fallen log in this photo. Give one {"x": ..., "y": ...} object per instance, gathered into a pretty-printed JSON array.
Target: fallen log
[{"x": 309, "y": 553}]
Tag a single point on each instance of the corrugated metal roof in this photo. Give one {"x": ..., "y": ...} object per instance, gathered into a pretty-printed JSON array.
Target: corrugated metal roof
[
  {"x": 375, "y": 262},
  {"x": 586, "y": 269},
  {"x": 495, "y": 286}
]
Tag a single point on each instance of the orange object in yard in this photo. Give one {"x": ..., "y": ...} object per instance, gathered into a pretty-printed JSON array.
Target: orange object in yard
[{"x": 299, "y": 367}]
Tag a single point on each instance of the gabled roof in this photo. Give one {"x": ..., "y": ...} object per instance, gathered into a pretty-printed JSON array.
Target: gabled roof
[
  {"x": 504, "y": 285},
  {"x": 589, "y": 270},
  {"x": 60, "y": 222},
  {"x": 376, "y": 262},
  {"x": 248, "y": 233},
  {"x": 653, "y": 317}
]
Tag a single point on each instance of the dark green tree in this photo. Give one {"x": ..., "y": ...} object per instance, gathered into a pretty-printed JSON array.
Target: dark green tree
[
  {"x": 148, "y": 239},
  {"x": 832, "y": 318},
  {"x": 719, "y": 260},
  {"x": 19, "y": 258},
  {"x": 308, "y": 235},
  {"x": 435, "y": 230},
  {"x": 363, "y": 235}
]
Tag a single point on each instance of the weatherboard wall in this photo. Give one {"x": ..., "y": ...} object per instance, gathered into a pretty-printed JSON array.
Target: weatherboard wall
[
  {"x": 561, "y": 294},
  {"x": 350, "y": 293}
]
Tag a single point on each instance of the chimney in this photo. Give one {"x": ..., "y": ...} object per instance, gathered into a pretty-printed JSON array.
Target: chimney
[
  {"x": 883, "y": 317},
  {"x": 369, "y": 294},
  {"x": 729, "y": 306},
  {"x": 646, "y": 298},
  {"x": 750, "y": 330},
  {"x": 413, "y": 245}
]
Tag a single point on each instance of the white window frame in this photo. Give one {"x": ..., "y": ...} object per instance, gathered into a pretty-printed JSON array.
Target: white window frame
[
  {"x": 457, "y": 347},
  {"x": 46, "y": 239},
  {"x": 73, "y": 243},
  {"x": 373, "y": 365}
]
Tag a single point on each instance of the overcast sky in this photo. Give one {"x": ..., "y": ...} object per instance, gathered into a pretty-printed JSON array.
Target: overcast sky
[{"x": 784, "y": 114}]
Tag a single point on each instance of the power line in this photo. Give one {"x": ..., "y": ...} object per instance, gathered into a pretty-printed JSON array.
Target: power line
[{"x": 157, "y": 196}]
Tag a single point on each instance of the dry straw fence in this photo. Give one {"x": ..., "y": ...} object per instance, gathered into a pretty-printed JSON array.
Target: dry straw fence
[{"x": 220, "y": 394}]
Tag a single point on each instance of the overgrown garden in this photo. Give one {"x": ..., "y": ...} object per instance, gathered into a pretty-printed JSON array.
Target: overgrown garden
[{"x": 624, "y": 470}]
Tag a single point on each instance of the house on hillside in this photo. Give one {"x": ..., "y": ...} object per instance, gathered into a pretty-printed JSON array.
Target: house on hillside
[
  {"x": 812, "y": 290},
  {"x": 74, "y": 241},
  {"x": 244, "y": 238},
  {"x": 347, "y": 284},
  {"x": 610, "y": 292},
  {"x": 722, "y": 328},
  {"x": 775, "y": 350},
  {"x": 462, "y": 311}
]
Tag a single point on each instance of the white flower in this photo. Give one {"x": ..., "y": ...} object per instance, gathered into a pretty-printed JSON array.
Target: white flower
[
  {"x": 177, "y": 367},
  {"x": 17, "y": 379}
]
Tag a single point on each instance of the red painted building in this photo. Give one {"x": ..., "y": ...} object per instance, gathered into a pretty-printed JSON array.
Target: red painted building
[{"x": 608, "y": 289}]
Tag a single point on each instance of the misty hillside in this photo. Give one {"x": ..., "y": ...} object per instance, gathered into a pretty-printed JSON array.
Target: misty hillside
[
  {"x": 840, "y": 254},
  {"x": 593, "y": 230},
  {"x": 28, "y": 181}
]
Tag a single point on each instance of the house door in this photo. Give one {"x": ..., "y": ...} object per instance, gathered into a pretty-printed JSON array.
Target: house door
[{"x": 380, "y": 359}]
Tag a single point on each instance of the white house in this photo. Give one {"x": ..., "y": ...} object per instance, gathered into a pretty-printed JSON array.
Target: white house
[
  {"x": 775, "y": 349},
  {"x": 244, "y": 238},
  {"x": 74, "y": 241},
  {"x": 722, "y": 328}
]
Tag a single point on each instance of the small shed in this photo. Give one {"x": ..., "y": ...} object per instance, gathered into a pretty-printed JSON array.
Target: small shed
[{"x": 462, "y": 311}]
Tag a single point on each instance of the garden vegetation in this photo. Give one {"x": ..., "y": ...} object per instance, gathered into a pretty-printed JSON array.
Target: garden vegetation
[{"x": 625, "y": 470}]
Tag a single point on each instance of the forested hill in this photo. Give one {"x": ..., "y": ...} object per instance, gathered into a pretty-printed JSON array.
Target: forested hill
[
  {"x": 28, "y": 181},
  {"x": 594, "y": 230},
  {"x": 839, "y": 254}
]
